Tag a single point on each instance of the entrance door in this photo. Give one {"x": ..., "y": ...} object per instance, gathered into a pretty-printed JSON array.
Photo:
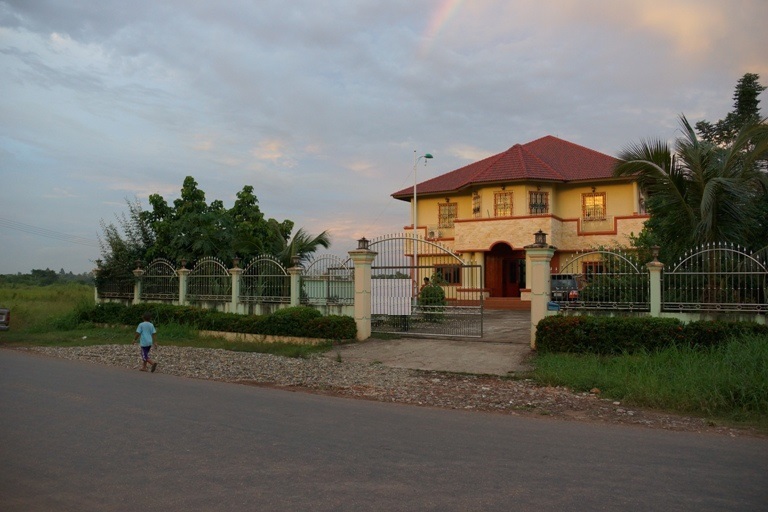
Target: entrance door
[{"x": 504, "y": 271}]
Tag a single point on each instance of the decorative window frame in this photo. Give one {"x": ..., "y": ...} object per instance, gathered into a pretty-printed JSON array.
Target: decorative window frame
[
  {"x": 538, "y": 202},
  {"x": 446, "y": 214},
  {"x": 593, "y": 206},
  {"x": 503, "y": 204},
  {"x": 477, "y": 205}
]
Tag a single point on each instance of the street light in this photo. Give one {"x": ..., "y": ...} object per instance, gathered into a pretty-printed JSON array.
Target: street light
[{"x": 426, "y": 157}]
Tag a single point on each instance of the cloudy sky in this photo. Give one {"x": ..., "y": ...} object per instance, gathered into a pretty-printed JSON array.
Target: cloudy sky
[{"x": 320, "y": 105}]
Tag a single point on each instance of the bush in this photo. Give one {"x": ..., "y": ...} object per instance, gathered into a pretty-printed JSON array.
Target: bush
[
  {"x": 617, "y": 335},
  {"x": 298, "y": 321}
]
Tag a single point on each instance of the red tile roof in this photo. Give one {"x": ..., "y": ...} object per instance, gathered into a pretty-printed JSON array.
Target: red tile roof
[{"x": 544, "y": 159}]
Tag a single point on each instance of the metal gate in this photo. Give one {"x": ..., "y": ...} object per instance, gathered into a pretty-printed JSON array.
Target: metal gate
[{"x": 421, "y": 288}]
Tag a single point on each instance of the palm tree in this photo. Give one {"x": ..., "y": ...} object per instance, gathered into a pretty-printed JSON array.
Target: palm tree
[
  {"x": 302, "y": 245},
  {"x": 700, "y": 192}
]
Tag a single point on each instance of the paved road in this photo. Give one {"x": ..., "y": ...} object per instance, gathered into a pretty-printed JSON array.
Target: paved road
[{"x": 81, "y": 437}]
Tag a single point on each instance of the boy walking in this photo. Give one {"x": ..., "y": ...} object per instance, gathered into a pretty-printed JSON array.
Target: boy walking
[{"x": 146, "y": 335}]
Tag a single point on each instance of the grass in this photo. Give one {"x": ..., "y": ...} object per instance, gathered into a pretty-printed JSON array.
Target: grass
[{"x": 727, "y": 382}]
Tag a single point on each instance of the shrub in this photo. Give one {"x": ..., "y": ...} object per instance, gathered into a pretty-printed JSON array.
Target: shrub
[
  {"x": 298, "y": 321},
  {"x": 617, "y": 335}
]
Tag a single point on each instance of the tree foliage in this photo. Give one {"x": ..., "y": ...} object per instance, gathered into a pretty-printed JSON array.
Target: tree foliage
[
  {"x": 699, "y": 192},
  {"x": 710, "y": 184},
  {"x": 190, "y": 229},
  {"x": 746, "y": 110}
]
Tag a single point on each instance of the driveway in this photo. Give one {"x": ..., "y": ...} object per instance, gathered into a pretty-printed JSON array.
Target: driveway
[{"x": 504, "y": 349}]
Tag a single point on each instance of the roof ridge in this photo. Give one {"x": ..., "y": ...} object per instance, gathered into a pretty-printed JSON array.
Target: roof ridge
[
  {"x": 542, "y": 162},
  {"x": 492, "y": 161}
]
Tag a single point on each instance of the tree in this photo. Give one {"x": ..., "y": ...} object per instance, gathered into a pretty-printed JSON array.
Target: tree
[
  {"x": 302, "y": 245},
  {"x": 125, "y": 243},
  {"x": 191, "y": 229},
  {"x": 746, "y": 110},
  {"x": 700, "y": 192}
]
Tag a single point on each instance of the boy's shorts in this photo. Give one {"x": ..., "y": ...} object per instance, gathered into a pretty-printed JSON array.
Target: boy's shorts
[{"x": 145, "y": 353}]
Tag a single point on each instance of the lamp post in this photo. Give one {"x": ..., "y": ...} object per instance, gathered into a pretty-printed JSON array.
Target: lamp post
[{"x": 425, "y": 156}]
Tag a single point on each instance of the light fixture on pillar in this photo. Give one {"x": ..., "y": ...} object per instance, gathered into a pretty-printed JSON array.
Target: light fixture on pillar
[
  {"x": 362, "y": 244},
  {"x": 425, "y": 156},
  {"x": 540, "y": 238},
  {"x": 236, "y": 262}
]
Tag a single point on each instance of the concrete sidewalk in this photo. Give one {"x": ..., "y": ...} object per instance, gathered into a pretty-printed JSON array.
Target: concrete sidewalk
[{"x": 503, "y": 350}]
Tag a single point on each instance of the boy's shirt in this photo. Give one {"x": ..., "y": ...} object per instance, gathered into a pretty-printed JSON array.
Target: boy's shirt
[{"x": 145, "y": 330}]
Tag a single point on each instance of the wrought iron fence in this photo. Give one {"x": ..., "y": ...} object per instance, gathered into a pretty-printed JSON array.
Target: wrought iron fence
[
  {"x": 716, "y": 277},
  {"x": 264, "y": 279},
  {"x": 602, "y": 279},
  {"x": 116, "y": 288},
  {"x": 160, "y": 281},
  {"x": 209, "y": 280},
  {"x": 328, "y": 280}
]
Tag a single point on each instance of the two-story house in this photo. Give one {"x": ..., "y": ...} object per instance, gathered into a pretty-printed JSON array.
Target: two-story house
[{"x": 488, "y": 211}]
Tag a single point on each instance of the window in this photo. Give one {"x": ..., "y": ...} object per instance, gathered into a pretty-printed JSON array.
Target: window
[
  {"x": 538, "y": 202},
  {"x": 476, "y": 206},
  {"x": 450, "y": 274},
  {"x": 502, "y": 204},
  {"x": 446, "y": 214},
  {"x": 593, "y": 206},
  {"x": 590, "y": 268}
]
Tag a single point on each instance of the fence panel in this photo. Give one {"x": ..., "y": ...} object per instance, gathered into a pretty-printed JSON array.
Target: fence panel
[
  {"x": 209, "y": 280},
  {"x": 328, "y": 280},
  {"x": 160, "y": 281},
  {"x": 264, "y": 279},
  {"x": 602, "y": 279},
  {"x": 116, "y": 288},
  {"x": 716, "y": 277}
]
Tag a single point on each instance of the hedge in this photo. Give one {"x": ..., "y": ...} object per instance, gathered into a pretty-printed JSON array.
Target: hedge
[
  {"x": 617, "y": 335},
  {"x": 299, "y": 321}
]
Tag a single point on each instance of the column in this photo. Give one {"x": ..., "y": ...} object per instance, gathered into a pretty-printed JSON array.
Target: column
[
  {"x": 654, "y": 274},
  {"x": 295, "y": 273},
  {"x": 235, "y": 272},
  {"x": 183, "y": 273},
  {"x": 137, "y": 285},
  {"x": 363, "y": 258},
  {"x": 539, "y": 256}
]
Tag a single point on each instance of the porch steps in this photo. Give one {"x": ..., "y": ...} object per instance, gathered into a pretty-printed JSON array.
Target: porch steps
[{"x": 508, "y": 303}]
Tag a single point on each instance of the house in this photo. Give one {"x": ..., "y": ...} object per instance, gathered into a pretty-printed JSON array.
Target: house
[{"x": 488, "y": 211}]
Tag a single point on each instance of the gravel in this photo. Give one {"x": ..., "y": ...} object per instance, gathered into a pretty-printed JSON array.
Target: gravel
[{"x": 324, "y": 375}]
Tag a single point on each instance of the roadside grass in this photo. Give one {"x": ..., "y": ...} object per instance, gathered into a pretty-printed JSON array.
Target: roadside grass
[{"x": 728, "y": 382}]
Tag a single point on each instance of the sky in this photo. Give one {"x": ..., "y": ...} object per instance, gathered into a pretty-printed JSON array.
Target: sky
[{"x": 322, "y": 106}]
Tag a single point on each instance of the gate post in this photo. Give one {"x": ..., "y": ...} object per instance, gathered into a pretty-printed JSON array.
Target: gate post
[
  {"x": 363, "y": 260},
  {"x": 137, "y": 284},
  {"x": 654, "y": 274},
  {"x": 235, "y": 272},
  {"x": 183, "y": 273},
  {"x": 539, "y": 254},
  {"x": 295, "y": 272}
]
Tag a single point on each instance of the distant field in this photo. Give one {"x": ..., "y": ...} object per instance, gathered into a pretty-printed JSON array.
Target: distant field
[{"x": 36, "y": 307}]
